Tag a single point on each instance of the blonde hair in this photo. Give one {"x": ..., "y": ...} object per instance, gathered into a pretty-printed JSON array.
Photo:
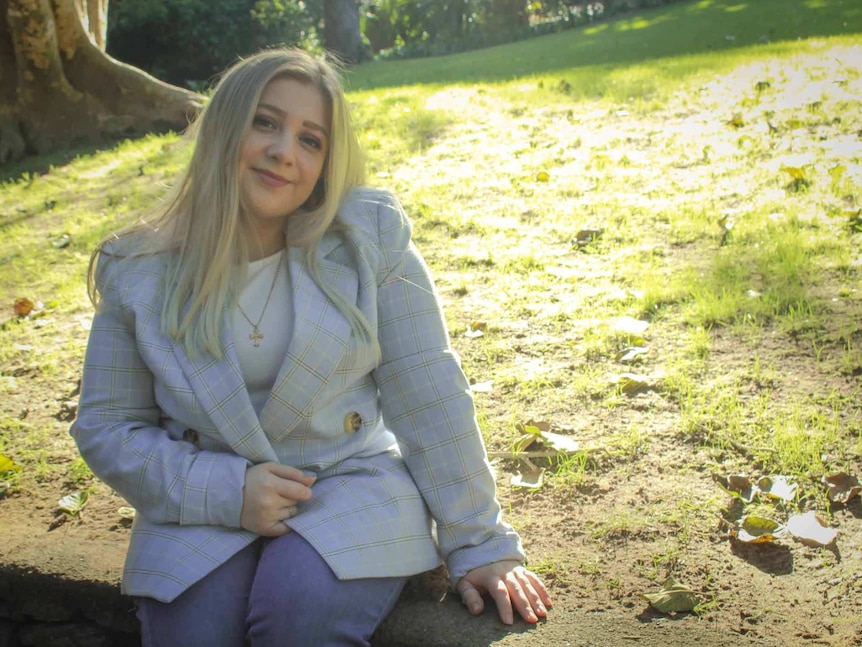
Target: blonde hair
[{"x": 202, "y": 225}]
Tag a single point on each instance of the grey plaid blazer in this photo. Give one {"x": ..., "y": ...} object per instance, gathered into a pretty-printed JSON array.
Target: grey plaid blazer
[{"x": 395, "y": 444}]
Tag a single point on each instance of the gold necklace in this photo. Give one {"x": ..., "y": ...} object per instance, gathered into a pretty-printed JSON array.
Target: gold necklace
[{"x": 255, "y": 336}]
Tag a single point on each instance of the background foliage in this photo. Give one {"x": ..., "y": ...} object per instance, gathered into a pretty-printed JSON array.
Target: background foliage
[{"x": 187, "y": 42}]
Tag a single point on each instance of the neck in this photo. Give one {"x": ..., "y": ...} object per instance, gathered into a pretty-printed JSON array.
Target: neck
[{"x": 265, "y": 244}]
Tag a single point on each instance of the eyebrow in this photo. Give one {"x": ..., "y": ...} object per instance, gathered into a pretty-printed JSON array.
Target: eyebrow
[{"x": 308, "y": 124}]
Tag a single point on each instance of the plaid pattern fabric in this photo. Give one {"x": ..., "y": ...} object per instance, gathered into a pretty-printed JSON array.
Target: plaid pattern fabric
[{"x": 395, "y": 444}]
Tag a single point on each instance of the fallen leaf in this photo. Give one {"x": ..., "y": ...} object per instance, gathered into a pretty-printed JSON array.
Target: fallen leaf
[
  {"x": 559, "y": 442},
  {"x": 7, "y": 464},
  {"x": 841, "y": 487},
  {"x": 473, "y": 333},
  {"x": 532, "y": 479},
  {"x": 586, "y": 236},
  {"x": 738, "y": 485},
  {"x": 630, "y": 325},
  {"x": 759, "y": 530},
  {"x": 794, "y": 172},
  {"x": 672, "y": 598},
  {"x": 127, "y": 512},
  {"x": 630, "y": 354},
  {"x": 736, "y": 121},
  {"x": 74, "y": 503},
  {"x": 631, "y": 383},
  {"x": 62, "y": 241},
  {"x": 482, "y": 387},
  {"x": 809, "y": 528},
  {"x": 524, "y": 442},
  {"x": 23, "y": 307},
  {"x": 533, "y": 427},
  {"x": 777, "y": 487}
]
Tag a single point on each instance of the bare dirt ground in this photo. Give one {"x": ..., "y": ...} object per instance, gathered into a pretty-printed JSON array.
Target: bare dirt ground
[{"x": 635, "y": 515}]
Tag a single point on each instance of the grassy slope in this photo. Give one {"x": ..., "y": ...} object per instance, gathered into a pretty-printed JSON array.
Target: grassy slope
[{"x": 650, "y": 128}]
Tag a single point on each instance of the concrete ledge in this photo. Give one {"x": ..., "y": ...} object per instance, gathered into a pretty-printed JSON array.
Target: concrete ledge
[{"x": 63, "y": 590}]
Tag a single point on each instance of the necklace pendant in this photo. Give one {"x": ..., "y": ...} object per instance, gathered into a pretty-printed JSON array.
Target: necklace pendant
[{"x": 255, "y": 337}]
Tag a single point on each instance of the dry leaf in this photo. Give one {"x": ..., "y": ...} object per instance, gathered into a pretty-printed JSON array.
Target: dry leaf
[
  {"x": 475, "y": 329},
  {"x": 482, "y": 387},
  {"x": 631, "y": 383},
  {"x": 811, "y": 529},
  {"x": 738, "y": 485},
  {"x": 630, "y": 354},
  {"x": 586, "y": 236},
  {"x": 533, "y": 427},
  {"x": 524, "y": 442},
  {"x": 127, "y": 512},
  {"x": 842, "y": 487},
  {"x": 630, "y": 326},
  {"x": 23, "y": 307},
  {"x": 62, "y": 241},
  {"x": 559, "y": 442},
  {"x": 532, "y": 479},
  {"x": 74, "y": 503},
  {"x": 672, "y": 598},
  {"x": 759, "y": 530},
  {"x": 777, "y": 487}
]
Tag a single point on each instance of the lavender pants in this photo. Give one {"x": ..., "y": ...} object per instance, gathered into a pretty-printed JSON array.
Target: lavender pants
[{"x": 274, "y": 592}]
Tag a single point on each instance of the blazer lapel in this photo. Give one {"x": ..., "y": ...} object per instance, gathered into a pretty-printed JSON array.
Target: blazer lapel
[
  {"x": 220, "y": 388},
  {"x": 320, "y": 340}
]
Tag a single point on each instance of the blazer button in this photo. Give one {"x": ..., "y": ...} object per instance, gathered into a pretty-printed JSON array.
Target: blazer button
[{"x": 352, "y": 423}]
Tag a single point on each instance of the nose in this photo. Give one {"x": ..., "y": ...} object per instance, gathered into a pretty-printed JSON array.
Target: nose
[{"x": 282, "y": 147}]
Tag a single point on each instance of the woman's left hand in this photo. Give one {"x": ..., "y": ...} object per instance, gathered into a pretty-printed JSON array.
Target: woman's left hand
[{"x": 510, "y": 585}]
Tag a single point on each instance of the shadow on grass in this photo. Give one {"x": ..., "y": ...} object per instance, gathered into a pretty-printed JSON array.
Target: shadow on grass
[
  {"x": 35, "y": 165},
  {"x": 678, "y": 30}
]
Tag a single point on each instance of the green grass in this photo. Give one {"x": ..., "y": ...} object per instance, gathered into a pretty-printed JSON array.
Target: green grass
[{"x": 724, "y": 178}]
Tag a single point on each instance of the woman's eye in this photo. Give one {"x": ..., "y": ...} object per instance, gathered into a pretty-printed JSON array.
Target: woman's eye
[
  {"x": 263, "y": 122},
  {"x": 313, "y": 142}
]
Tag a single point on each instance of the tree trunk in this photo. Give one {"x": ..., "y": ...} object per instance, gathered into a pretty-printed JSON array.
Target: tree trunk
[
  {"x": 58, "y": 88},
  {"x": 342, "y": 36}
]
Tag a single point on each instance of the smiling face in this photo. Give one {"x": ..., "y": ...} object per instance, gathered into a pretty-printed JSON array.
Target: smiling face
[{"x": 282, "y": 158}]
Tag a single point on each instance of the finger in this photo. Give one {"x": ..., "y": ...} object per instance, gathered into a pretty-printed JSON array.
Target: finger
[
  {"x": 534, "y": 600},
  {"x": 540, "y": 588},
  {"x": 275, "y": 529},
  {"x": 518, "y": 600},
  {"x": 290, "y": 512},
  {"x": 290, "y": 473},
  {"x": 471, "y": 598},
  {"x": 500, "y": 595},
  {"x": 291, "y": 491}
]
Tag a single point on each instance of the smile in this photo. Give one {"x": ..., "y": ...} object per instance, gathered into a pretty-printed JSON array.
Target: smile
[{"x": 271, "y": 179}]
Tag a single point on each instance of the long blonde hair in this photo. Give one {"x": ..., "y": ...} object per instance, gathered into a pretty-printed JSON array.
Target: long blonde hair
[{"x": 201, "y": 224}]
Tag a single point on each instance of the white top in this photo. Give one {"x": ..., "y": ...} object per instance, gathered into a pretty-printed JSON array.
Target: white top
[{"x": 260, "y": 364}]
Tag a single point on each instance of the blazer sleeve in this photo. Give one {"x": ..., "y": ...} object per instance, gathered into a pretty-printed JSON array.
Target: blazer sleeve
[
  {"x": 427, "y": 403},
  {"x": 118, "y": 430}
]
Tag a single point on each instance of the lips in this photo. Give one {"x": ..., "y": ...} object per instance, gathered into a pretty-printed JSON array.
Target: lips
[{"x": 271, "y": 179}]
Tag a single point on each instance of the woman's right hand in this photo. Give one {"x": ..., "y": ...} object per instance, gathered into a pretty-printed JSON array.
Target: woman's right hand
[{"x": 270, "y": 495}]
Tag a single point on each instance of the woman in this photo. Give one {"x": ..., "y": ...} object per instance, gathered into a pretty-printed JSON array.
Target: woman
[{"x": 269, "y": 382}]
